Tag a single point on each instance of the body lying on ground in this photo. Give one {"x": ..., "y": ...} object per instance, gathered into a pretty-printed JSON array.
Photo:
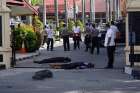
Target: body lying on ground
[
  {"x": 54, "y": 60},
  {"x": 72, "y": 65}
]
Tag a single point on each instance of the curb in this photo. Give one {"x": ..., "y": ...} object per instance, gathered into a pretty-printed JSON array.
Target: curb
[{"x": 28, "y": 56}]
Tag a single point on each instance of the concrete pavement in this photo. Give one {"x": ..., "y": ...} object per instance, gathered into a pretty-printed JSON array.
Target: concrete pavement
[
  {"x": 98, "y": 80},
  {"x": 100, "y": 60},
  {"x": 68, "y": 81}
]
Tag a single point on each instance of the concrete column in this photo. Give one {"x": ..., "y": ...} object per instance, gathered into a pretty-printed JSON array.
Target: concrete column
[
  {"x": 5, "y": 49},
  {"x": 74, "y": 10},
  {"x": 29, "y": 19},
  {"x": 56, "y": 12},
  {"x": 92, "y": 10},
  {"x": 83, "y": 11},
  {"x": 44, "y": 12},
  {"x": 115, "y": 9},
  {"x": 132, "y": 7},
  {"x": 66, "y": 13},
  {"x": 119, "y": 9},
  {"x": 108, "y": 9},
  {"x": 111, "y": 5}
]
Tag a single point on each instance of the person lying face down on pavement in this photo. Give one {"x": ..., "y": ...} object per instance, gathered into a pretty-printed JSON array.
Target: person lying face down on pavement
[
  {"x": 73, "y": 65},
  {"x": 54, "y": 60}
]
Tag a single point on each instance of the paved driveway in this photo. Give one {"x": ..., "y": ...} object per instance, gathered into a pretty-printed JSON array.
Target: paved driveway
[{"x": 98, "y": 80}]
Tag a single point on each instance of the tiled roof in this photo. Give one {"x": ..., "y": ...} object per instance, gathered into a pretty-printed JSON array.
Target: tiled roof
[
  {"x": 14, "y": 2},
  {"x": 99, "y": 5},
  {"x": 21, "y": 3}
]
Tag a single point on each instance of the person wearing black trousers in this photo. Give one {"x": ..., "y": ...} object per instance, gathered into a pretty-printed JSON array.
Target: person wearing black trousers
[
  {"x": 76, "y": 36},
  {"x": 50, "y": 35},
  {"x": 65, "y": 36},
  {"x": 87, "y": 39},
  {"x": 94, "y": 39},
  {"x": 110, "y": 45}
]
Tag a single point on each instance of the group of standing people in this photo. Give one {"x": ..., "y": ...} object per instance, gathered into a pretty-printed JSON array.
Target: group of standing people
[
  {"x": 65, "y": 35},
  {"x": 76, "y": 34},
  {"x": 91, "y": 40},
  {"x": 48, "y": 37}
]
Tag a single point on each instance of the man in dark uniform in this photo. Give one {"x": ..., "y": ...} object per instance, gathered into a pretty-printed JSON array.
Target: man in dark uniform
[{"x": 65, "y": 35}]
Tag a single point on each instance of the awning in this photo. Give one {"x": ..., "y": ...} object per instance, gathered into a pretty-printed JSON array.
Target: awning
[
  {"x": 18, "y": 10},
  {"x": 26, "y": 9}
]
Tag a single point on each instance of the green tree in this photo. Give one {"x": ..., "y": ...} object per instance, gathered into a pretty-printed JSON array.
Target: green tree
[
  {"x": 80, "y": 24},
  {"x": 37, "y": 24},
  {"x": 36, "y": 2},
  {"x": 70, "y": 25}
]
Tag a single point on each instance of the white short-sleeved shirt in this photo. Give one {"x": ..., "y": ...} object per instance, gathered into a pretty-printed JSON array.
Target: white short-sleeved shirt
[
  {"x": 49, "y": 33},
  {"x": 115, "y": 29},
  {"x": 110, "y": 34},
  {"x": 76, "y": 29}
]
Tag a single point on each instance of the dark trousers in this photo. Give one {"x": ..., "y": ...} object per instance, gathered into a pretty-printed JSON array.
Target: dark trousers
[
  {"x": 95, "y": 43},
  {"x": 110, "y": 54},
  {"x": 50, "y": 41},
  {"x": 76, "y": 40},
  {"x": 66, "y": 43},
  {"x": 87, "y": 42}
]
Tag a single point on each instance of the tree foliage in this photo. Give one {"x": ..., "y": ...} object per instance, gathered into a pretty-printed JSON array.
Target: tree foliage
[
  {"x": 36, "y": 2},
  {"x": 70, "y": 25},
  {"x": 80, "y": 24},
  {"x": 37, "y": 24}
]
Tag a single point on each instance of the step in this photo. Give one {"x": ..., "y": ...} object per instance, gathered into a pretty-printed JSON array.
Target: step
[{"x": 20, "y": 57}]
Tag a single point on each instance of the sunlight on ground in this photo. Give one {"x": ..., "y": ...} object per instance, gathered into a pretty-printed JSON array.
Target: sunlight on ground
[{"x": 76, "y": 91}]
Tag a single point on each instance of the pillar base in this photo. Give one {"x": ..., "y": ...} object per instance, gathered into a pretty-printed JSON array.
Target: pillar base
[
  {"x": 128, "y": 70},
  {"x": 133, "y": 71}
]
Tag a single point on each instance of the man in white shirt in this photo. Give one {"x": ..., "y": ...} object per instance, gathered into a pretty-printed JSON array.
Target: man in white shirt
[
  {"x": 76, "y": 36},
  {"x": 110, "y": 45},
  {"x": 50, "y": 35},
  {"x": 115, "y": 29}
]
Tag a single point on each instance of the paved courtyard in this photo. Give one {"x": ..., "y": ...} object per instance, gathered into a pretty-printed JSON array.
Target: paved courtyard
[{"x": 97, "y": 80}]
